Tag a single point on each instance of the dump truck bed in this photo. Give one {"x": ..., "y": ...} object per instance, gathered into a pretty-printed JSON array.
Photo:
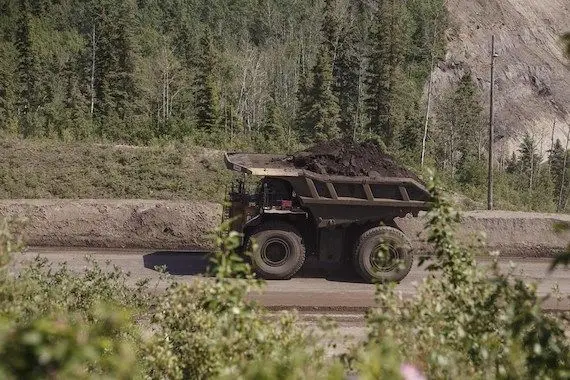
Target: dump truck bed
[
  {"x": 262, "y": 165},
  {"x": 324, "y": 193}
]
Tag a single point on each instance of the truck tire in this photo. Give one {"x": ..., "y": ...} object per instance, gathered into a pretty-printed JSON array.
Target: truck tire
[
  {"x": 280, "y": 251},
  {"x": 369, "y": 255}
]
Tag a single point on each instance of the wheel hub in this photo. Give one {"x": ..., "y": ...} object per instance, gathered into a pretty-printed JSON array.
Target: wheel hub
[
  {"x": 275, "y": 252},
  {"x": 385, "y": 258}
]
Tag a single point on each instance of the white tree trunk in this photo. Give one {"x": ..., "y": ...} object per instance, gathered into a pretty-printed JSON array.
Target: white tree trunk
[{"x": 92, "y": 82}]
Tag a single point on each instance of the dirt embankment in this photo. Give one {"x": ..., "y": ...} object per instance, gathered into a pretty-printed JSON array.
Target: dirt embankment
[
  {"x": 517, "y": 234},
  {"x": 186, "y": 225},
  {"x": 115, "y": 223}
]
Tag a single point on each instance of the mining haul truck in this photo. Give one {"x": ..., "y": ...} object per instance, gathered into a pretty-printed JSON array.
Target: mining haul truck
[{"x": 291, "y": 213}]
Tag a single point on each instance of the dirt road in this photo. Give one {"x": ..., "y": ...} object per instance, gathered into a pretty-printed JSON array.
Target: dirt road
[{"x": 315, "y": 289}]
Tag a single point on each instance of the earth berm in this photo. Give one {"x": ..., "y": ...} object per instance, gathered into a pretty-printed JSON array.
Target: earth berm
[{"x": 187, "y": 225}]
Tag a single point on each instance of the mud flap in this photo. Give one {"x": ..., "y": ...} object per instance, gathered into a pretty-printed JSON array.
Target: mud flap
[{"x": 331, "y": 244}]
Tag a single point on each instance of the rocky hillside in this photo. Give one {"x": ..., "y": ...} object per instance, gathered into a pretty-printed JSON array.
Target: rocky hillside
[{"x": 533, "y": 77}]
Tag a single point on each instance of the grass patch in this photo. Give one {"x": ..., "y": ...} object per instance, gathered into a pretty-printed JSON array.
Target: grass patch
[{"x": 55, "y": 169}]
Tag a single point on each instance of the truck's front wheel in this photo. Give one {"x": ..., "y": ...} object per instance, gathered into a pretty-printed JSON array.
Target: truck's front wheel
[
  {"x": 383, "y": 254},
  {"x": 279, "y": 251}
]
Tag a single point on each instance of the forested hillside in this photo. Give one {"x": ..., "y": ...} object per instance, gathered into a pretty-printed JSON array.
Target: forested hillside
[
  {"x": 268, "y": 75},
  {"x": 135, "y": 70}
]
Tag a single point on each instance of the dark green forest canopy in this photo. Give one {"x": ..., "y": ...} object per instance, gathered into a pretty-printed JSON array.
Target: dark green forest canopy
[{"x": 214, "y": 71}]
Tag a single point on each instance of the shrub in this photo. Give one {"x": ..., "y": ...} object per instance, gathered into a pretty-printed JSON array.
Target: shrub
[
  {"x": 466, "y": 321},
  {"x": 210, "y": 327},
  {"x": 69, "y": 347}
]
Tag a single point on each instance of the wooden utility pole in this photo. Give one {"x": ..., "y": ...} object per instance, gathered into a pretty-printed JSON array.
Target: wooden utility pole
[
  {"x": 428, "y": 107},
  {"x": 560, "y": 195},
  {"x": 491, "y": 127}
]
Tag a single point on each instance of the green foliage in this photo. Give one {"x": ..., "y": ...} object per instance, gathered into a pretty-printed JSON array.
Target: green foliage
[
  {"x": 559, "y": 172},
  {"x": 460, "y": 136},
  {"x": 529, "y": 158},
  {"x": 296, "y": 365},
  {"x": 324, "y": 112},
  {"x": 562, "y": 259},
  {"x": 69, "y": 347},
  {"x": 208, "y": 109},
  {"x": 209, "y": 327},
  {"x": 57, "y": 324},
  {"x": 134, "y": 71},
  {"x": 51, "y": 169},
  {"x": 385, "y": 71},
  {"x": 33, "y": 293},
  {"x": 465, "y": 322},
  {"x": 26, "y": 71}
]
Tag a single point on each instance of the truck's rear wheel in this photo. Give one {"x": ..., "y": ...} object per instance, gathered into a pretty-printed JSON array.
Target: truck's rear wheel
[
  {"x": 280, "y": 252},
  {"x": 383, "y": 254}
]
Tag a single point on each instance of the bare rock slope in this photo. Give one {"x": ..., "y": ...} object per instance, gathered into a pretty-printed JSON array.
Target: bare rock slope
[{"x": 532, "y": 74}]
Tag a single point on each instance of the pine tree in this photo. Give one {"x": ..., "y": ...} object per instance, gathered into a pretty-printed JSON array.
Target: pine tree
[
  {"x": 125, "y": 89},
  {"x": 114, "y": 86},
  {"x": 461, "y": 123},
  {"x": 8, "y": 84},
  {"x": 469, "y": 109},
  {"x": 347, "y": 64},
  {"x": 207, "y": 94},
  {"x": 26, "y": 71},
  {"x": 386, "y": 59},
  {"x": 304, "y": 102},
  {"x": 529, "y": 159},
  {"x": 558, "y": 164},
  {"x": 272, "y": 130},
  {"x": 556, "y": 159},
  {"x": 331, "y": 28},
  {"x": 324, "y": 112},
  {"x": 512, "y": 164}
]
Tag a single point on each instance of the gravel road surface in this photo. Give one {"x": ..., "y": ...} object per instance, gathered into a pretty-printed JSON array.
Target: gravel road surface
[{"x": 314, "y": 289}]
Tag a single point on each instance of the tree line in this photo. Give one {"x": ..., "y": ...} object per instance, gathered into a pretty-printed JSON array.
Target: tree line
[
  {"x": 255, "y": 74},
  {"x": 256, "y": 69}
]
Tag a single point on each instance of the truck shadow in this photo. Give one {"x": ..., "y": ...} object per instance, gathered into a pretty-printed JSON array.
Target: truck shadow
[
  {"x": 194, "y": 263},
  {"x": 178, "y": 263}
]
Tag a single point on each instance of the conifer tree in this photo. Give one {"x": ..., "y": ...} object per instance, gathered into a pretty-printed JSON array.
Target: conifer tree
[
  {"x": 461, "y": 124},
  {"x": 512, "y": 164},
  {"x": 8, "y": 83},
  {"x": 207, "y": 93},
  {"x": 385, "y": 64},
  {"x": 558, "y": 164},
  {"x": 347, "y": 73},
  {"x": 125, "y": 89},
  {"x": 324, "y": 111},
  {"x": 114, "y": 85},
  {"x": 331, "y": 28},
  {"x": 26, "y": 71},
  {"x": 304, "y": 102},
  {"x": 272, "y": 130},
  {"x": 529, "y": 159},
  {"x": 556, "y": 158}
]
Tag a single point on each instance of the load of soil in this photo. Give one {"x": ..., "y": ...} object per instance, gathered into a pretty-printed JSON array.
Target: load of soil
[{"x": 344, "y": 157}]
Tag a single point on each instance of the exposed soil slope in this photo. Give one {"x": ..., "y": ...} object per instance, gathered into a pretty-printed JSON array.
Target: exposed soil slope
[
  {"x": 115, "y": 223},
  {"x": 186, "y": 225},
  {"x": 532, "y": 75}
]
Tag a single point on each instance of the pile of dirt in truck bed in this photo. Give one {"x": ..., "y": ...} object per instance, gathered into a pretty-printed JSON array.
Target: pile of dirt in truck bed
[{"x": 343, "y": 157}]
